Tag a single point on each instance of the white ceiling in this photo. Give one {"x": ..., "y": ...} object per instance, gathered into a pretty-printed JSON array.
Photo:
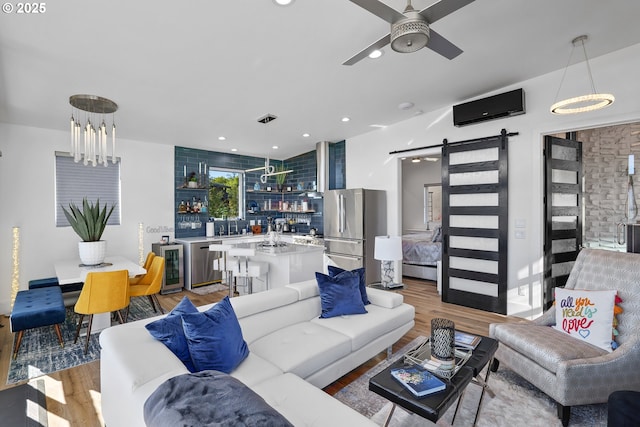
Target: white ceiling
[{"x": 187, "y": 72}]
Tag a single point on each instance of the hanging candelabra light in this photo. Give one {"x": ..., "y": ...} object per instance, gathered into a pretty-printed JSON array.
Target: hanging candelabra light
[
  {"x": 581, "y": 104},
  {"x": 92, "y": 147}
]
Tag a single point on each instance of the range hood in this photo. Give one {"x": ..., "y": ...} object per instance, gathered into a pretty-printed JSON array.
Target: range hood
[{"x": 322, "y": 170}]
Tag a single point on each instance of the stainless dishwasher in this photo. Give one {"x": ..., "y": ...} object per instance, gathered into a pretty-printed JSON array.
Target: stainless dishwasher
[{"x": 201, "y": 263}]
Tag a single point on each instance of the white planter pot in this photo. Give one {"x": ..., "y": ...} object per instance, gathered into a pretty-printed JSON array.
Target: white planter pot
[{"x": 92, "y": 253}]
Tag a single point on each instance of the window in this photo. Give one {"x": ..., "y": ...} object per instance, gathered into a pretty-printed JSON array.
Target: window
[
  {"x": 74, "y": 181},
  {"x": 226, "y": 198}
]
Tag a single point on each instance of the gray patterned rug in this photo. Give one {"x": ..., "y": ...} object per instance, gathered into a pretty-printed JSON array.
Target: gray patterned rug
[
  {"x": 516, "y": 403},
  {"x": 40, "y": 352}
]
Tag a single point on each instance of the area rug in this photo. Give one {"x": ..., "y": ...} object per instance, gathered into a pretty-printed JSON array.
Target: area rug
[
  {"x": 516, "y": 403},
  {"x": 209, "y": 289},
  {"x": 40, "y": 352},
  {"x": 24, "y": 405}
]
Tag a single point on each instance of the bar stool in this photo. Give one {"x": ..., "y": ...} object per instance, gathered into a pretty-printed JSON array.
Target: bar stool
[
  {"x": 221, "y": 263},
  {"x": 247, "y": 269}
]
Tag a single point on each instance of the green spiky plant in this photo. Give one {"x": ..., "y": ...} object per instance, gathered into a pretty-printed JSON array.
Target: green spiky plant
[{"x": 90, "y": 222}]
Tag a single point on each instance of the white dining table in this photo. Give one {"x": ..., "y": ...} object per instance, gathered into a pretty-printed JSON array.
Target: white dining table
[{"x": 71, "y": 271}]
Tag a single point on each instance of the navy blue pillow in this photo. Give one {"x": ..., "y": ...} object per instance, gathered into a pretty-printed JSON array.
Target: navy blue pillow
[
  {"x": 334, "y": 271},
  {"x": 340, "y": 295},
  {"x": 169, "y": 331},
  {"x": 215, "y": 339}
]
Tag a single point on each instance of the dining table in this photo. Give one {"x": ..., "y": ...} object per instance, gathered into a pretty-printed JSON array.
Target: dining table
[{"x": 73, "y": 271}]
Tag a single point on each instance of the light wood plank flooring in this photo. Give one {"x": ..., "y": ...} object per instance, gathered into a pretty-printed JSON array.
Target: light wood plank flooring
[{"x": 73, "y": 395}]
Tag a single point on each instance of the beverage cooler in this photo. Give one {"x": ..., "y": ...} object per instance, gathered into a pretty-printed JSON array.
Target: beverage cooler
[{"x": 173, "y": 280}]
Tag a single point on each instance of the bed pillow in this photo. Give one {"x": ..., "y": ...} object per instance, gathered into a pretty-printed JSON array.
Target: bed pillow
[
  {"x": 334, "y": 271},
  {"x": 340, "y": 295},
  {"x": 214, "y": 338},
  {"x": 586, "y": 315},
  {"x": 168, "y": 330},
  {"x": 437, "y": 235}
]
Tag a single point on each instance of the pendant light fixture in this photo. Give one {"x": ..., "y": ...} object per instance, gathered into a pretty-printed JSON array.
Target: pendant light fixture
[
  {"x": 92, "y": 146},
  {"x": 584, "y": 103}
]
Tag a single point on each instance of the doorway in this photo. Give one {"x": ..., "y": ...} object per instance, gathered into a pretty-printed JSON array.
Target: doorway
[{"x": 598, "y": 200}]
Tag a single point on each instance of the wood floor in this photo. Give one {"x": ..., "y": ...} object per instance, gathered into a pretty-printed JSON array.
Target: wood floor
[{"x": 73, "y": 395}]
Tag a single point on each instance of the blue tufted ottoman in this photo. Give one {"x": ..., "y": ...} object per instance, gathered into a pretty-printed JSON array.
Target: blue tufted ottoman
[{"x": 35, "y": 308}]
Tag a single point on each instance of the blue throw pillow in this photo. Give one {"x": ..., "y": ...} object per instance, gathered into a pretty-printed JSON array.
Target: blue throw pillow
[
  {"x": 169, "y": 331},
  {"x": 215, "y": 339},
  {"x": 334, "y": 271},
  {"x": 340, "y": 295}
]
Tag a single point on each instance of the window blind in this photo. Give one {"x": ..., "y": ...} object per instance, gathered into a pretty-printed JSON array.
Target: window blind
[{"x": 75, "y": 181}]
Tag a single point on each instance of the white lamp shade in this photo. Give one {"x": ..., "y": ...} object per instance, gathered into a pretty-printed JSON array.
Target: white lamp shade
[{"x": 388, "y": 248}]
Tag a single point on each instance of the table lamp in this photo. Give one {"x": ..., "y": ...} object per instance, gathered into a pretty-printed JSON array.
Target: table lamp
[{"x": 387, "y": 250}]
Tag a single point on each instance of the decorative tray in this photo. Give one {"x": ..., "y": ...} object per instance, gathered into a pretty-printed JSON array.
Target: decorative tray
[{"x": 422, "y": 354}]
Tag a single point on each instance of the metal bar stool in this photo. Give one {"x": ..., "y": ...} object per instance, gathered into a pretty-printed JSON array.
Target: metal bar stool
[
  {"x": 247, "y": 269},
  {"x": 220, "y": 264}
]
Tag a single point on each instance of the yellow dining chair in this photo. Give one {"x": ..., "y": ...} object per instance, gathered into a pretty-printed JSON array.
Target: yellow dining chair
[
  {"x": 146, "y": 266},
  {"x": 149, "y": 285},
  {"x": 102, "y": 293}
]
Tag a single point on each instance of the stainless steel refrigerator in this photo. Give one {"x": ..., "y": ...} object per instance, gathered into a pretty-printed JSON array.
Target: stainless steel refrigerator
[{"x": 352, "y": 219}]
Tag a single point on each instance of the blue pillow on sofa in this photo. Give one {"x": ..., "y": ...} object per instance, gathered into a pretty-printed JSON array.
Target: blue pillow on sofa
[
  {"x": 214, "y": 338},
  {"x": 168, "y": 330},
  {"x": 334, "y": 271},
  {"x": 340, "y": 294}
]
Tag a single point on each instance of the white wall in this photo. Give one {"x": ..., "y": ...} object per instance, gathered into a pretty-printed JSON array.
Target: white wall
[
  {"x": 27, "y": 191},
  {"x": 616, "y": 73}
]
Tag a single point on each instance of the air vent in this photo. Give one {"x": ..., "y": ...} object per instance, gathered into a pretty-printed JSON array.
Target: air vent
[{"x": 267, "y": 119}]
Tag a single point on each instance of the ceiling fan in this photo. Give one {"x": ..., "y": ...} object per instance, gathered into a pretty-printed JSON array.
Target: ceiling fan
[{"x": 410, "y": 30}]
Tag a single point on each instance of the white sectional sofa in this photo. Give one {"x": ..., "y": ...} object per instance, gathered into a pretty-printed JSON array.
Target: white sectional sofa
[{"x": 293, "y": 353}]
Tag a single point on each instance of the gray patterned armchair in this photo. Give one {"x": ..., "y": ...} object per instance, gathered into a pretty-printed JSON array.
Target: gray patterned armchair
[{"x": 570, "y": 371}]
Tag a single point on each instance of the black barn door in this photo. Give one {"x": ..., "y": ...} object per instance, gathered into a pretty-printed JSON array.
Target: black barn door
[
  {"x": 562, "y": 211},
  {"x": 475, "y": 223}
]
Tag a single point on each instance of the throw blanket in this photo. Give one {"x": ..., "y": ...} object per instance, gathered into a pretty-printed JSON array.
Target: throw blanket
[{"x": 208, "y": 398}]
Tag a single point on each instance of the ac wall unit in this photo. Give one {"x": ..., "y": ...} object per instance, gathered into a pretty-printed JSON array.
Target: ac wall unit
[{"x": 494, "y": 107}]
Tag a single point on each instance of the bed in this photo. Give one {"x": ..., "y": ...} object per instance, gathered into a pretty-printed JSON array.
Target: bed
[{"x": 421, "y": 255}]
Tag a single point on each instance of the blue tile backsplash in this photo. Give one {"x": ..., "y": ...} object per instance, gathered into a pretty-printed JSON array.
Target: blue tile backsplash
[{"x": 189, "y": 161}]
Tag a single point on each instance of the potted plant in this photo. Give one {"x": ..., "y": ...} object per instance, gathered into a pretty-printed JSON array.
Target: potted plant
[
  {"x": 89, "y": 223},
  {"x": 193, "y": 180},
  {"x": 280, "y": 178}
]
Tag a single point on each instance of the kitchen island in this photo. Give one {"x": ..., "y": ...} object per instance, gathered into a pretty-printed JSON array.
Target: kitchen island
[{"x": 288, "y": 262}]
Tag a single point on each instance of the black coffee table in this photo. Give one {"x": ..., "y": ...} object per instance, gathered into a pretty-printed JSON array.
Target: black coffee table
[{"x": 433, "y": 406}]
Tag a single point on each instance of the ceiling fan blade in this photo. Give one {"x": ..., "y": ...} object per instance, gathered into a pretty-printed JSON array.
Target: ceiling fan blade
[
  {"x": 379, "y": 44},
  {"x": 380, "y": 9},
  {"x": 440, "y": 45},
  {"x": 442, "y": 8}
]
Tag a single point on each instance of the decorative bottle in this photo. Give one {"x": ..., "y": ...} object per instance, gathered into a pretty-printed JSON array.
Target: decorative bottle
[{"x": 631, "y": 207}]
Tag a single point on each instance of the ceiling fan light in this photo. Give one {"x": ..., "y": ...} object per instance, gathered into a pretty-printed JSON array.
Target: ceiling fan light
[{"x": 409, "y": 34}]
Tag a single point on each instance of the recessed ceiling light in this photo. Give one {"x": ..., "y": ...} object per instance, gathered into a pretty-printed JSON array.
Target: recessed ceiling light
[
  {"x": 431, "y": 159},
  {"x": 222, "y": 138},
  {"x": 406, "y": 105},
  {"x": 275, "y": 147},
  {"x": 306, "y": 135},
  {"x": 376, "y": 54},
  {"x": 415, "y": 160},
  {"x": 345, "y": 119},
  {"x": 283, "y": 2},
  {"x": 234, "y": 149}
]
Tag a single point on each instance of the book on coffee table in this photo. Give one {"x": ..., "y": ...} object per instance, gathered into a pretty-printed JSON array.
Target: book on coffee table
[
  {"x": 418, "y": 381},
  {"x": 465, "y": 340}
]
